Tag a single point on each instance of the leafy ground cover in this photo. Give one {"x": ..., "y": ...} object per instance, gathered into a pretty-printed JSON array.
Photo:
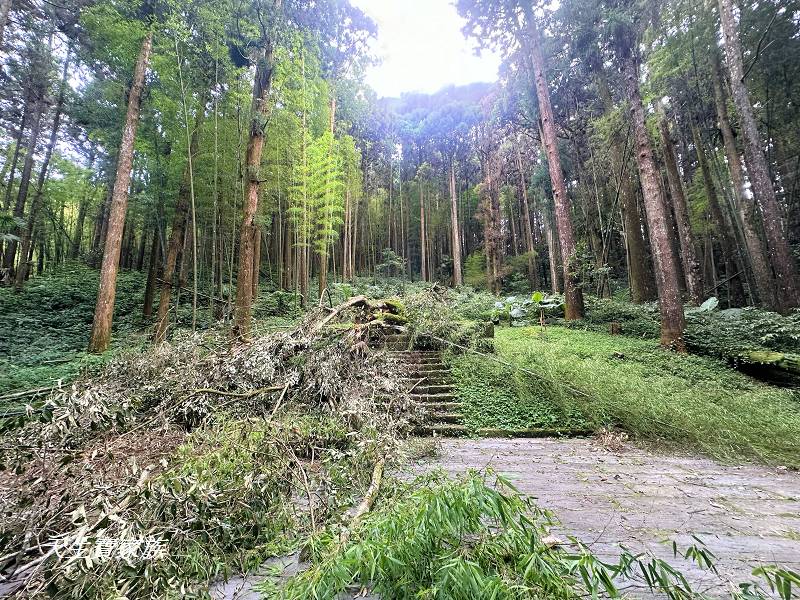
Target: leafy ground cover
[
  {"x": 44, "y": 329},
  {"x": 684, "y": 401},
  {"x": 498, "y": 396}
]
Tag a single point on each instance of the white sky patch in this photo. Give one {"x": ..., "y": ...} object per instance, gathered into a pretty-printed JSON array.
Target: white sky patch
[{"x": 422, "y": 48}]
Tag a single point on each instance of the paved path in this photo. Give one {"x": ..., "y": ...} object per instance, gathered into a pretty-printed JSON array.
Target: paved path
[{"x": 747, "y": 515}]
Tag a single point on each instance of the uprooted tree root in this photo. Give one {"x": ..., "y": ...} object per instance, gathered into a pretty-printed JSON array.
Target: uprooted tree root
[{"x": 216, "y": 455}]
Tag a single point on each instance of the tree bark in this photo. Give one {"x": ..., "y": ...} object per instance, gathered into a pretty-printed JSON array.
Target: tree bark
[
  {"x": 17, "y": 146},
  {"x": 691, "y": 265},
  {"x": 573, "y": 295},
  {"x": 757, "y": 168},
  {"x": 22, "y": 268},
  {"x": 255, "y": 147},
  {"x": 640, "y": 272},
  {"x": 152, "y": 275},
  {"x": 104, "y": 311},
  {"x": 256, "y": 260},
  {"x": 730, "y": 250},
  {"x": 25, "y": 176},
  {"x": 423, "y": 235},
  {"x": 177, "y": 236},
  {"x": 80, "y": 221},
  {"x": 530, "y": 247},
  {"x": 673, "y": 321},
  {"x": 454, "y": 236},
  {"x": 745, "y": 207}
]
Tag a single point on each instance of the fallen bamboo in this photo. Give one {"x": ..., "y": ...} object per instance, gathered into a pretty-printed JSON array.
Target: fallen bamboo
[{"x": 366, "y": 503}]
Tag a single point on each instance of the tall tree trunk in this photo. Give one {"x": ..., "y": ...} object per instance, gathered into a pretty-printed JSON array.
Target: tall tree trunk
[
  {"x": 17, "y": 147},
  {"x": 256, "y": 260},
  {"x": 734, "y": 270},
  {"x": 745, "y": 207},
  {"x": 423, "y": 236},
  {"x": 757, "y": 168},
  {"x": 22, "y": 268},
  {"x": 106, "y": 295},
  {"x": 177, "y": 236},
  {"x": 691, "y": 265},
  {"x": 152, "y": 275},
  {"x": 640, "y": 272},
  {"x": 25, "y": 177},
  {"x": 80, "y": 221},
  {"x": 255, "y": 147},
  {"x": 530, "y": 248},
  {"x": 454, "y": 235},
  {"x": 573, "y": 295},
  {"x": 554, "y": 254},
  {"x": 673, "y": 321}
]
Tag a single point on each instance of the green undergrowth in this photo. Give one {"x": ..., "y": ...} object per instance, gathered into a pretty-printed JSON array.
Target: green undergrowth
[
  {"x": 497, "y": 396},
  {"x": 684, "y": 401},
  {"x": 438, "y": 538},
  {"x": 44, "y": 329}
]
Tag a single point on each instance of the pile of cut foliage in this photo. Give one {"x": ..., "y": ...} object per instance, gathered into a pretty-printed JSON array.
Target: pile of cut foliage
[{"x": 214, "y": 456}]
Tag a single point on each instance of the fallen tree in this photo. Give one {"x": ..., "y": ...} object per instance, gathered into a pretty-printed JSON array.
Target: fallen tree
[{"x": 221, "y": 455}]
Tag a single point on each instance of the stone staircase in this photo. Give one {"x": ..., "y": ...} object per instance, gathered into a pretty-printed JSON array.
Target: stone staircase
[{"x": 429, "y": 381}]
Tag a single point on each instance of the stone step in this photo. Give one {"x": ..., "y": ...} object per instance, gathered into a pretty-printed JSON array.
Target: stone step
[
  {"x": 441, "y": 406},
  {"x": 417, "y": 360},
  {"x": 445, "y": 417},
  {"x": 431, "y": 388},
  {"x": 433, "y": 370},
  {"x": 419, "y": 380},
  {"x": 430, "y": 398},
  {"x": 533, "y": 433},
  {"x": 443, "y": 430}
]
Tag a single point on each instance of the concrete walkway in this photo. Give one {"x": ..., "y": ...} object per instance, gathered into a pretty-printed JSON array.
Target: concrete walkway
[{"x": 747, "y": 515}]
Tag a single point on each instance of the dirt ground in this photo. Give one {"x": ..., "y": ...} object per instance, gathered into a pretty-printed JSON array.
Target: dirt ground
[{"x": 746, "y": 515}]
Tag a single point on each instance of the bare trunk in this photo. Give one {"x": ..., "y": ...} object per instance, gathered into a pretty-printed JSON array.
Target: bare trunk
[
  {"x": 745, "y": 207},
  {"x": 423, "y": 236},
  {"x": 573, "y": 295},
  {"x": 176, "y": 238},
  {"x": 256, "y": 260},
  {"x": 152, "y": 275},
  {"x": 25, "y": 177},
  {"x": 530, "y": 248},
  {"x": 673, "y": 321},
  {"x": 555, "y": 255},
  {"x": 733, "y": 267},
  {"x": 22, "y": 268},
  {"x": 691, "y": 265},
  {"x": 17, "y": 147},
  {"x": 75, "y": 249},
  {"x": 455, "y": 237},
  {"x": 104, "y": 311},
  {"x": 255, "y": 147},
  {"x": 757, "y": 168}
]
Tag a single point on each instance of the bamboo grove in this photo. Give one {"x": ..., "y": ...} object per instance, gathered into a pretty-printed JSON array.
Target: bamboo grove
[{"x": 645, "y": 148}]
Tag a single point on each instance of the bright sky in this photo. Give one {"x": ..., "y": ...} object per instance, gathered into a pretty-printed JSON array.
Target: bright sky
[{"x": 422, "y": 47}]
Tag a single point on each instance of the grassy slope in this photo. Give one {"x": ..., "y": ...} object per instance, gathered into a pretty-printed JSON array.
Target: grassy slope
[{"x": 684, "y": 401}]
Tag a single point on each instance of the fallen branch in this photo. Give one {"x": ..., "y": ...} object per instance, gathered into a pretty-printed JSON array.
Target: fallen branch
[{"x": 366, "y": 504}]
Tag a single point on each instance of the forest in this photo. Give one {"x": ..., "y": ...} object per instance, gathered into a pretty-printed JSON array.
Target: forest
[{"x": 265, "y": 329}]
